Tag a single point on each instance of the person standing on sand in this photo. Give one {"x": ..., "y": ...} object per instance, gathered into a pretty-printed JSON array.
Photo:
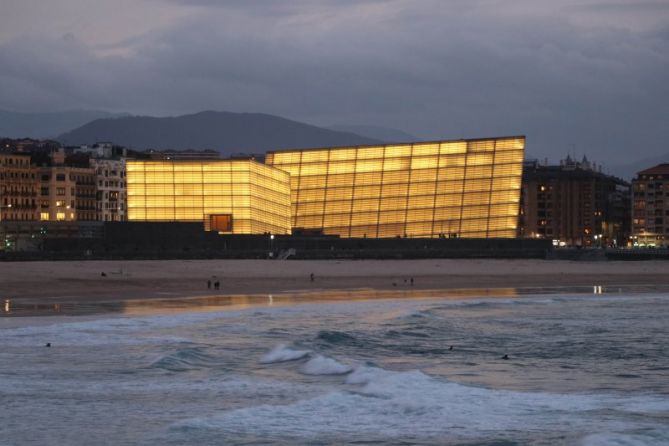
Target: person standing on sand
[{"x": 311, "y": 277}]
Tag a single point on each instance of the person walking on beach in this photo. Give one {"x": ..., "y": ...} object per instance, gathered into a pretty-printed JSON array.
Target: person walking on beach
[
  {"x": 311, "y": 277},
  {"x": 216, "y": 285}
]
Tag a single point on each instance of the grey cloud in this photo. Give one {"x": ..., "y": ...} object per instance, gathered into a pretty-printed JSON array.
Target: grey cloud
[
  {"x": 278, "y": 8},
  {"x": 436, "y": 71},
  {"x": 626, "y": 6}
]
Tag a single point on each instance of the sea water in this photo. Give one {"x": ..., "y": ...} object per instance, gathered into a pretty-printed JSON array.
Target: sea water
[{"x": 581, "y": 369}]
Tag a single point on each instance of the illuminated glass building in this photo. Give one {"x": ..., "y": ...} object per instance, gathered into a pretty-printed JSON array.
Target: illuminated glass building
[
  {"x": 462, "y": 188},
  {"x": 230, "y": 196}
]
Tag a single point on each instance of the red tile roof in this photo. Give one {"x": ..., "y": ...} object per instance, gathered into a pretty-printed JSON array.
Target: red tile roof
[{"x": 660, "y": 169}]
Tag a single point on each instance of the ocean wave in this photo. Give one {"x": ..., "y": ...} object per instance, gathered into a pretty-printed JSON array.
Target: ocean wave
[
  {"x": 336, "y": 337},
  {"x": 183, "y": 360},
  {"x": 281, "y": 353},
  {"x": 412, "y": 404},
  {"x": 320, "y": 365},
  {"x": 402, "y": 333},
  {"x": 416, "y": 314},
  {"x": 655, "y": 437}
]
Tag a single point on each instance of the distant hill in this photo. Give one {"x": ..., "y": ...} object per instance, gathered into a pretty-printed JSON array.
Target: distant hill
[
  {"x": 372, "y": 131},
  {"x": 46, "y": 125},
  {"x": 229, "y": 133}
]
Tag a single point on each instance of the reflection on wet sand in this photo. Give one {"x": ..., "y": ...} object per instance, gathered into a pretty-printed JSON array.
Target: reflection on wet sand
[
  {"x": 14, "y": 308},
  {"x": 241, "y": 301},
  {"x": 235, "y": 302}
]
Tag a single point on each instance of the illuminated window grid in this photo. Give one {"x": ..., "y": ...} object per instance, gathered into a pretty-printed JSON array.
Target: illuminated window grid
[
  {"x": 256, "y": 195},
  {"x": 468, "y": 187}
]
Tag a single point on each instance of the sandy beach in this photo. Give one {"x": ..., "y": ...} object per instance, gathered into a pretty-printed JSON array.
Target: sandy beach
[{"x": 82, "y": 281}]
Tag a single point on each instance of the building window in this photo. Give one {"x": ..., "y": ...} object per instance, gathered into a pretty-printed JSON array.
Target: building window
[
  {"x": 60, "y": 177},
  {"x": 44, "y": 216},
  {"x": 44, "y": 191},
  {"x": 60, "y": 191},
  {"x": 60, "y": 216}
]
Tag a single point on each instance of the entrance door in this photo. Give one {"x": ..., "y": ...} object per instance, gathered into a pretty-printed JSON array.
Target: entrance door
[{"x": 221, "y": 222}]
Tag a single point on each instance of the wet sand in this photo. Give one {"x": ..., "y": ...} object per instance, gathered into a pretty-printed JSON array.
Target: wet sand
[{"x": 82, "y": 282}]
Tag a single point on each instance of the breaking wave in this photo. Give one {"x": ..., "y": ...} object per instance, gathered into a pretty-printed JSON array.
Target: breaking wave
[
  {"x": 190, "y": 358},
  {"x": 281, "y": 353},
  {"x": 414, "y": 405},
  {"x": 320, "y": 365}
]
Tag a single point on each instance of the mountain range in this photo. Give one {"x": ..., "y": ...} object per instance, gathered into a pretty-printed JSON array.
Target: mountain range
[
  {"x": 229, "y": 133},
  {"x": 47, "y": 125}
]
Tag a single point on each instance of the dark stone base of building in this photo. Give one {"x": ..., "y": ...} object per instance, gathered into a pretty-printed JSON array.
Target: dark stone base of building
[
  {"x": 601, "y": 254},
  {"x": 637, "y": 254},
  {"x": 130, "y": 240}
]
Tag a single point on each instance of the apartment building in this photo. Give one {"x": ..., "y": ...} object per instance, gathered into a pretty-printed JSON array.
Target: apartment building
[
  {"x": 574, "y": 204},
  {"x": 18, "y": 188},
  {"x": 650, "y": 214},
  {"x": 66, "y": 193},
  {"x": 111, "y": 195}
]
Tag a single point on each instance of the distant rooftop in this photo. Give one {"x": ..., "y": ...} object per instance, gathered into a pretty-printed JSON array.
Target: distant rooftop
[
  {"x": 568, "y": 168},
  {"x": 187, "y": 154},
  {"x": 660, "y": 169}
]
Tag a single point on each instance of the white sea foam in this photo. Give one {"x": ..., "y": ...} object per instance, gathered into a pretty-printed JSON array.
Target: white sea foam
[
  {"x": 414, "y": 404},
  {"x": 364, "y": 375},
  {"x": 320, "y": 365},
  {"x": 643, "y": 405},
  {"x": 281, "y": 353}
]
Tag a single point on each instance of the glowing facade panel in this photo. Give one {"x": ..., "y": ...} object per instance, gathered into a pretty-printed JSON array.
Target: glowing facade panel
[
  {"x": 464, "y": 188},
  {"x": 253, "y": 197}
]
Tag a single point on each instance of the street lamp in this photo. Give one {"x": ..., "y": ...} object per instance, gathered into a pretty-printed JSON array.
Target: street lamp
[{"x": 271, "y": 246}]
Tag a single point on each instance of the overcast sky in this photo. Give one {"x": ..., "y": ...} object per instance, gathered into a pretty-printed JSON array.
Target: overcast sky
[{"x": 589, "y": 76}]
